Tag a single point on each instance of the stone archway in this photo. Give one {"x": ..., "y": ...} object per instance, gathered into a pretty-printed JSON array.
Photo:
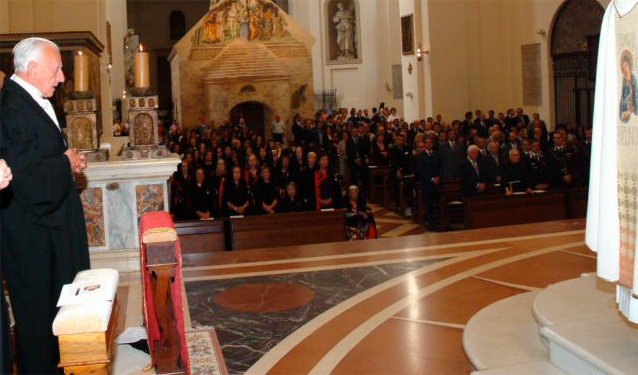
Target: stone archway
[
  {"x": 574, "y": 51},
  {"x": 257, "y": 116}
]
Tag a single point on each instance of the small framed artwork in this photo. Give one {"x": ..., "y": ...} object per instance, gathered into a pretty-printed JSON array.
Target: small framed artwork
[{"x": 407, "y": 34}]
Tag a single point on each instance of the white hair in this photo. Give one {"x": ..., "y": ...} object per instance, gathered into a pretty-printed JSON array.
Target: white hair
[
  {"x": 472, "y": 148},
  {"x": 29, "y": 50}
]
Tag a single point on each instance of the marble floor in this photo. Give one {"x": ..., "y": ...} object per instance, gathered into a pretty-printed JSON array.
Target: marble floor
[{"x": 389, "y": 306}]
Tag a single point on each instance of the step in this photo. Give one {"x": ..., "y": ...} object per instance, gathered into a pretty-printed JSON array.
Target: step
[
  {"x": 527, "y": 368},
  {"x": 504, "y": 334},
  {"x": 565, "y": 301},
  {"x": 585, "y": 331}
]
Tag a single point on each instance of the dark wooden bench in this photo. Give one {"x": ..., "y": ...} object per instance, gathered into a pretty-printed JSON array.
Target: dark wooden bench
[
  {"x": 378, "y": 182},
  {"x": 499, "y": 210},
  {"x": 201, "y": 236},
  {"x": 577, "y": 202},
  {"x": 299, "y": 228}
]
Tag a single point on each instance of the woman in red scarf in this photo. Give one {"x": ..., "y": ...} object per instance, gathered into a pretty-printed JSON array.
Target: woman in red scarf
[{"x": 324, "y": 190}]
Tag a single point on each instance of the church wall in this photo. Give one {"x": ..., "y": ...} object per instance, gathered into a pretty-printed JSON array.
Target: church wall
[
  {"x": 476, "y": 53},
  {"x": 360, "y": 85},
  {"x": 150, "y": 19}
]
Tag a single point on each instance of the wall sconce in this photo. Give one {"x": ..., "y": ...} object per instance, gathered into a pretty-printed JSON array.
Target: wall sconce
[
  {"x": 541, "y": 32},
  {"x": 420, "y": 51},
  {"x": 410, "y": 68},
  {"x": 409, "y": 95}
]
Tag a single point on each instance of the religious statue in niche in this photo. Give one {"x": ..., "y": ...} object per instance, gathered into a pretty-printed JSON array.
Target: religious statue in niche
[
  {"x": 345, "y": 24},
  {"x": 629, "y": 97},
  {"x": 249, "y": 20},
  {"x": 143, "y": 130}
]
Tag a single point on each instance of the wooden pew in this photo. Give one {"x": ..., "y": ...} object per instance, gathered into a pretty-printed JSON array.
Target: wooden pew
[
  {"x": 500, "y": 210},
  {"x": 298, "y": 228},
  {"x": 577, "y": 202},
  {"x": 201, "y": 236},
  {"x": 377, "y": 182}
]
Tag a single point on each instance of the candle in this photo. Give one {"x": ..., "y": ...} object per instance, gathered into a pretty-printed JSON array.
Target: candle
[
  {"x": 81, "y": 72},
  {"x": 142, "y": 69}
]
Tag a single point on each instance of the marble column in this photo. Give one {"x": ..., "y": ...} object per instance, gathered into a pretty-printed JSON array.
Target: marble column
[{"x": 115, "y": 194}]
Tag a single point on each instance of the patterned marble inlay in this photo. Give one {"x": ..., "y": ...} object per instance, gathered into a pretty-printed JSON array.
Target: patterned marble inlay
[
  {"x": 93, "y": 205},
  {"x": 247, "y": 336},
  {"x": 149, "y": 198}
]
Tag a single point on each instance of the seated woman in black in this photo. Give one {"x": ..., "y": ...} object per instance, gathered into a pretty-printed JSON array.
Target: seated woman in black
[
  {"x": 324, "y": 185},
  {"x": 236, "y": 197},
  {"x": 217, "y": 182},
  {"x": 358, "y": 216},
  {"x": 291, "y": 203},
  {"x": 515, "y": 175},
  {"x": 202, "y": 197},
  {"x": 266, "y": 193},
  {"x": 284, "y": 174}
]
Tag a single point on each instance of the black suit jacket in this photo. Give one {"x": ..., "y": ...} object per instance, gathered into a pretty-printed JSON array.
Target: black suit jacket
[
  {"x": 469, "y": 179},
  {"x": 427, "y": 168},
  {"x": 44, "y": 242}
]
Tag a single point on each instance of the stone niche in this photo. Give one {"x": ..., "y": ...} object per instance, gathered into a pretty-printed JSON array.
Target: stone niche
[{"x": 243, "y": 58}]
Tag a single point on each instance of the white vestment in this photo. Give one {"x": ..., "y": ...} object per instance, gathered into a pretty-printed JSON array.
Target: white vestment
[{"x": 614, "y": 152}]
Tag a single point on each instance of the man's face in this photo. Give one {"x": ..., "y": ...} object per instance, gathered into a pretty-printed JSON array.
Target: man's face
[
  {"x": 451, "y": 136},
  {"x": 428, "y": 144},
  {"x": 46, "y": 73},
  {"x": 495, "y": 147},
  {"x": 420, "y": 147},
  {"x": 200, "y": 175},
  {"x": 558, "y": 139},
  {"x": 185, "y": 167},
  {"x": 588, "y": 134},
  {"x": 473, "y": 154},
  {"x": 515, "y": 157},
  {"x": 536, "y": 147},
  {"x": 513, "y": 136},
  {"x": 291, "y": 191}
]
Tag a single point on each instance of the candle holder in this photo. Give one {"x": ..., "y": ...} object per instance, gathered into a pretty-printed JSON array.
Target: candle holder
[
  {"x": 81, "y": 126},
  {"x": 142, "y": 91},
  {"x": 78, "y": 95},
  {"x": 143, "y": 129}
]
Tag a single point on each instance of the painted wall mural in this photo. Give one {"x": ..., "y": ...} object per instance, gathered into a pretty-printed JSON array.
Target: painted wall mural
[{"x": 248, "y": 20}]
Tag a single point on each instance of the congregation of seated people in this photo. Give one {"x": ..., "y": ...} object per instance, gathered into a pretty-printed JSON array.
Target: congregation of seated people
[{"x": 229, "y": 170}]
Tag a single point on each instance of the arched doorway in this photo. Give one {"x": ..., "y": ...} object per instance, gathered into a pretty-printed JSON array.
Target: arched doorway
[
  {"x": 574, "y": 49},
  {"x": 255, "y": 114}
]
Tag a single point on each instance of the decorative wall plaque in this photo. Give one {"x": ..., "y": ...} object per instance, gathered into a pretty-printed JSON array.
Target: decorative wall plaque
[{"x": 532, "y": 74}]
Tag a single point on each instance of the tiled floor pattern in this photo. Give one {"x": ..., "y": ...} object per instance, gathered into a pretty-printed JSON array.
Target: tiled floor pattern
[{"x": 404, "y": 323}]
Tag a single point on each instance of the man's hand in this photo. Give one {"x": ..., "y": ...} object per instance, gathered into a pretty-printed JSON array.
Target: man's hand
[
  {"x": 436, "y": 180},
  {"x": 482, "y": 187},
  {"x": 78, "y": 162},
  {"x": 5, "y": 174}
]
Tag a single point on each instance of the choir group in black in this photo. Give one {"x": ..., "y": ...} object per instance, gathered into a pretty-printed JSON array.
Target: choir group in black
[{"x": 230, "y": 170}]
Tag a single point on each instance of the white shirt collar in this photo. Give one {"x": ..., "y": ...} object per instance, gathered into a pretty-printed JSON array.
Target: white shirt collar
[
  {"x": 32, "y": 90},
  {"x": 624, "y": 6}
]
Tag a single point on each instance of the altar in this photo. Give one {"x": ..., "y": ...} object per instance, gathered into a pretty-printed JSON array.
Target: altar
[{"x": 114, "y": 195}]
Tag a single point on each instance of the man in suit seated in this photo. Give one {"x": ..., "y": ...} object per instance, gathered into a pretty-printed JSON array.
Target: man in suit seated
[
  {"x": 471, "y": 183},
  {"x": 515, "y": 176},
  {"x": 428, "y": 172}
]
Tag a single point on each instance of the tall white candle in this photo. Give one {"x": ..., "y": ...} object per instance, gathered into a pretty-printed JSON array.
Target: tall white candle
[{"x": 142, "y": 78}]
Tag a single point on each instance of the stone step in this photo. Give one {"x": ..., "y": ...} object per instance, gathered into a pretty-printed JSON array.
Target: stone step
[
  {"x": 527, "y": 368},
  {"x": 586, "y": 334},
  {"x": 504, "y": 334}
]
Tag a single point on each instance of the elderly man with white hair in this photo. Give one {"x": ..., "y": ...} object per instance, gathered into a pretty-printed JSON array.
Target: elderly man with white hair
[
  {"x": 472, "y": 181},
  {"x": 43, "y": 233}
]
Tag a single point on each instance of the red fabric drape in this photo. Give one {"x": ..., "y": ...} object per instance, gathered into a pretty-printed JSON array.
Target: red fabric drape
[
  {"x": 319, "y": 178},
  {"x": 154, "y": 221}
]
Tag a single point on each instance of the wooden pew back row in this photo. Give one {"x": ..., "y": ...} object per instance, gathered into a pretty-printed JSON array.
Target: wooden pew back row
[{"x": 261, "y": 231}]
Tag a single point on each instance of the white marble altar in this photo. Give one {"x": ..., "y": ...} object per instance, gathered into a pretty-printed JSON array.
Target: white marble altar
[{"x": 114, "y": 195}]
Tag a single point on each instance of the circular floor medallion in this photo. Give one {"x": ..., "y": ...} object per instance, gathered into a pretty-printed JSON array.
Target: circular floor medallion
[{"x": 265, "y": 298}]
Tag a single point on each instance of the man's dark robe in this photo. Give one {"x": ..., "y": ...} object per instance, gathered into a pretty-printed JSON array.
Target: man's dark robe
[{"x": 44, "y": 242}]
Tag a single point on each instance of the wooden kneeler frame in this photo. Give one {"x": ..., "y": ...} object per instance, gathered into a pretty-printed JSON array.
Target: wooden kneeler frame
[{"x": 89, "y": 353}]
